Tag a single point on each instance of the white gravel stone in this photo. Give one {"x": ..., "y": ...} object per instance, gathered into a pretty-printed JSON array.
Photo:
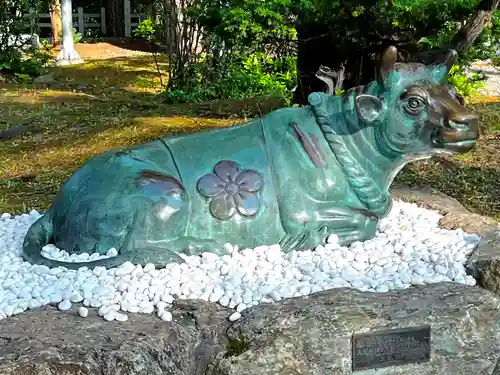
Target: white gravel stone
[
  {"x": 234, "y": 316},
  {"x": 83, "y": 312},
  {"x": 166, "y": 316},
  {"x": 64, "y": 305},
  {"x": 409, "y": 249}
]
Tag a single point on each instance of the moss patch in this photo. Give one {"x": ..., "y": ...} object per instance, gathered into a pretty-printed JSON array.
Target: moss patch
[{"x": 236, "y": 347}]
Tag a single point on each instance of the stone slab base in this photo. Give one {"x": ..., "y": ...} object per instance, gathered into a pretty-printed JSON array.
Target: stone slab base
[{"x": 306, "y": 336}]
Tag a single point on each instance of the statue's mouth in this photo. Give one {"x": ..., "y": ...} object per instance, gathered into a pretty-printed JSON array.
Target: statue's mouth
[{"x": 456, "y": 137}]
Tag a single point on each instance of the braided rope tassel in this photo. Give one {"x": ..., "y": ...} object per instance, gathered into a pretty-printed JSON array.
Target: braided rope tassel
[{"x": 360, "y": 181}]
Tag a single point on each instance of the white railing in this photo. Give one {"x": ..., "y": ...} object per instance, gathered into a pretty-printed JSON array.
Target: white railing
[
  {"x": 80, "y": 20},
  {"x": 129, "y": 25}
]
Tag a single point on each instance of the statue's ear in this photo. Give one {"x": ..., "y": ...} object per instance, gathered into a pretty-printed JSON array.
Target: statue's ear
[{"x": 369, "y": 108}]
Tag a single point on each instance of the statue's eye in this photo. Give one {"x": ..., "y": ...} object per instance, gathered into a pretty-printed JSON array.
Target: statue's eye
[{"x": 414, "y": 105}]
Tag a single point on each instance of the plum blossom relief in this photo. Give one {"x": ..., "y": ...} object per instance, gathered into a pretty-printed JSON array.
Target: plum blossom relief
[{"x": 231, "y": 190}]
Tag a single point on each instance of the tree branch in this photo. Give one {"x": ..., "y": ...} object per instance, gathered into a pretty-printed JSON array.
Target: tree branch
[{"x": 466, "y": 36}]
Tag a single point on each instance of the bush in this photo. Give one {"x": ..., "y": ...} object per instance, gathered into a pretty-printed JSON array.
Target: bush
[
  {"x": 249, "y": 47},
  {"x": 77, "y": 37},
  {"x": 246, "y": 48},
  {"x": 17, "y": 56},
  {"x": 241, "y": 78},
  {"x": 145, "y": 30},
  {"x": 467, "y": 86}
]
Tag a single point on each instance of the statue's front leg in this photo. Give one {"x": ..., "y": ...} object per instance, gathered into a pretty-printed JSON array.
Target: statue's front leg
[
  {"x": 300, "y": 224},
  {"x": 305, "y": 231},
  {"x": 307, "y": 238},
  {"x": 348, "y": 223}
]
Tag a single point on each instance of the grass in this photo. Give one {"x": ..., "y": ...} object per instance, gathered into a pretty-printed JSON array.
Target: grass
[
  {"x": 94, "y": 107},
  {"x": 113, "y": 103}
]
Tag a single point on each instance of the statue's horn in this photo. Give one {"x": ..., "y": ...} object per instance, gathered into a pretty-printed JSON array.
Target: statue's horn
[
  {"x": 450, "y": 59},
  {"x": 387, "y": 61}
]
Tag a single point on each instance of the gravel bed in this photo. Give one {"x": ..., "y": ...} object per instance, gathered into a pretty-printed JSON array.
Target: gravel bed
[{"x": 409, "y": 249}]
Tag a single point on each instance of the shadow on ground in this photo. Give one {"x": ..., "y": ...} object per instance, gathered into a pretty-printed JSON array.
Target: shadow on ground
[
  {"x": 135, "y": 74},
  {"x": 54, "y": 130},
  {"x": 133, "y": 44},
  {"x": 62, "y": 130}
]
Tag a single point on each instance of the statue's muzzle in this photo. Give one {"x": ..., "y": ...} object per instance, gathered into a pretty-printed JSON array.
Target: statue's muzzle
[{"x": 459, "y": 131}]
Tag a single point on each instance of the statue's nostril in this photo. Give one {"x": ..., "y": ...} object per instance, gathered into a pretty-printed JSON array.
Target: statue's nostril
[
  {"x": 463, "y": 118},
  {"x": 458, "y": 125},
  {"x": 461, "y": 121}
]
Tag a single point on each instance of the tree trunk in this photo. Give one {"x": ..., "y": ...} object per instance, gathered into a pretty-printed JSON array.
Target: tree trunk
[
  {"x": 55, "y": 21},
  {"x": 115, "y": 18},
  {"x": 68, "y": 52},
  {"x": 466, "y": 36},
  {"x": 317, "y": 45}
]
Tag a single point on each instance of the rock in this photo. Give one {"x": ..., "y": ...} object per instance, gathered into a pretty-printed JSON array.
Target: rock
[
  {"x": 307, "y": 336},
  {"x": 46, "y": 79},
  {"x": 81, "y": 87},
  {"x": 21, "y": 41},
  {"x": 313, "y": 336},
  {"x": 484, "y": 263},
  {"x": 13, "y": 132},
  {"x": 50, "y": 342},
  {"x": 455, "y": 215}
]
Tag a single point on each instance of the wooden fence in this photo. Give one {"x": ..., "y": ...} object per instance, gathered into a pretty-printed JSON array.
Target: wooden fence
[
  {"x": 132, "y": 20},
  {"x": 82, "y": 21}
]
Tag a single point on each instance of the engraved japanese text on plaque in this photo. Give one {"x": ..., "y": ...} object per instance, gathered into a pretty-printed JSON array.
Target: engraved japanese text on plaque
[{"x": 391, "y": 348}]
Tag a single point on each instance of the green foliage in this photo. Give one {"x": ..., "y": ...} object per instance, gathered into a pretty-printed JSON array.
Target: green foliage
[
  {"x": 248, "y": 51},
  {"x": 29, "y": 64},
  {"x": 46, "y": 45},
  {"x": 77, "y": 37},
  {"x": 412, "y": 25},
  {"x": 249, "y": 24},
  {"x": 484, "y": 47},
  {"x": 466, "y": 86},
  {"x": 145, "y": 30},
  {"x": 249, "y": 46},
  {"x": 243, "y": 77},
  {"x": 17, "y": 56}
]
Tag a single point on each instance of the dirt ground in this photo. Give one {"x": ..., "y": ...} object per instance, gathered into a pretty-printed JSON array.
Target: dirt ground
[{"x": 111, "y": 49}]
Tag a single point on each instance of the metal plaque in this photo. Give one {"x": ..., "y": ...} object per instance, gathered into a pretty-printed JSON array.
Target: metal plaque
[{"x": 391, "y": 348}]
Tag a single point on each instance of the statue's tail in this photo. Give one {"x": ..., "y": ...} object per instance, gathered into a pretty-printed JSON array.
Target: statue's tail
[{"x": 41, "y": 233}]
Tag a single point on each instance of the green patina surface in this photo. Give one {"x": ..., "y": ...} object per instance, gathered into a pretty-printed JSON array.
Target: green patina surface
[{"x": 290, "y": 177}]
